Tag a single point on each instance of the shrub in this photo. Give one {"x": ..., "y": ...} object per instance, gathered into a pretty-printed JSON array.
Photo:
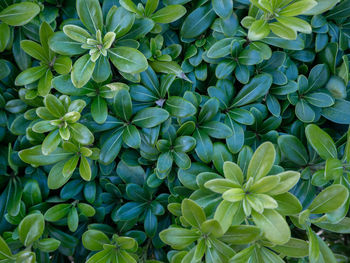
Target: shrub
[{"x": 174, "y": 131}]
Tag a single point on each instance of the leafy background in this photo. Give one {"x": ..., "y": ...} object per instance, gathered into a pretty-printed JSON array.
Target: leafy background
[{"x": 174, "y": 131}]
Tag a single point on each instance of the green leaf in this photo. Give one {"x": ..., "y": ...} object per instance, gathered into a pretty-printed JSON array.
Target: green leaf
[
  {"x": 31, "y": 228},
  {"x": 282, "y": 31},
  {"x": 220, "y": 49},
  {"x": 288, "y": 204},
  {"x": 273, "y": 226},
  {"x": 258, "y": 30},
  {"x": 111, "y": 147},
  {"x": 262, "y": 161},
  {"x": 295, "y": 23},
  {"x": 179, "y": 107},
  {"x": 169, "y": 14},
  {"x": 131, "y": 136},
  {"x": 330, "y": 199},
  {"x": 321, "y": 7},
  {"x": 319, "y": 99},
  {"x": 105, "y": 255},
  {"x": 184, "y": 144},
  {"x": 19, "y": 14},
  {"x": 249, "y": 57},
  {"x": 72, "y": 219},
  {"x": 193, "y": 213},
  {"x": 342, "y": 227},
  {"x": 287, "y": 180},
  {"x": 240, "y": 235},
  {"x": 223, "y": 8},
  {"x": 35, "y": 156},
  {"x": 216, "y": 129},
  {"x": 338, "y": 113},
  {"x": 130, "y": 6},
  {"x": 204, "y": 146},
  {"x": 119, "y": 21},
  {"x": 256, "y": 88},
  {"x": 76, "y": 33},
  {"x": 34, "y": 50},
  {"x": 321, "y": 142},
  {"x": 94, "y": 240},
  {"x": 151, "y": 6},
  {"x": 90, "y": 14},
  {"x": 48, "y": 244},
  {"x": 333, "y": 169},
  {"x": 51, "y": 142},
  {"x": 296, "y": 248},
  {"x": 298, "y": 8},
  {"x": 54, "y": 106},
  {"x": 336, "y": 87},
  {"x": 234, "y": 195},
  {"x": 233, "y": 172},
  {"x": 128, "y": 60},
  {"x": 57, "y": 212},
  {"x": 86, "y": 210},
  {"x": 122, "y": 105},
  {"x": 70, "y": 166},
  {"x": 129, "y": 211},
  {"x": 81, "y": 134},
  {"x": 265, "y": 184},
  {"x": 16, "y": 192},
  {"x": 222, "y": 185},
  {"x": 84, "y": 169},
  {"x": 150, "y": 117},
  {"x": 4, "y": 40},
  {"x": 63, "y": 45},
  {"x": 212, "y": 227},
  {"x": 82, "y": 71},
  {"x": 198, "y": 21},
  {"x": 178, "y": 238},
  {"x": 293, "y": 149},
  {"x": 208, "y": 111},
  {"x": 99, "y": 109},
  {"x": 30, "y": 75},
  {"x": 44, "y": 85}
]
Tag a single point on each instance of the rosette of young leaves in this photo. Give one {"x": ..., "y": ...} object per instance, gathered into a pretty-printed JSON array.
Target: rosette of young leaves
[
  {"x": 60, "y": 118},
  {"x": 235, "y": 57},
  {"x": 130, "y": 123},
  {"x": 68, "y": 214},
  {"x": 173, "y": 149},
  {"x": 100, "y": 95},
  {"x": 211, "y": 242},
  {"x": 144, "y": 207},
  {"x": 277, "y": 16},
  {"x": 158, "y": 93},
  {"x": 157, "y": 53},
  {"x": 49, "y": 62},
  {"x": 311, "y": 96},
  {"x": 98, "y": 39},
  {"x": 16, "y": 14},
  {"x": 162, "y": 59},
  {"x": 118, "y": 249},
  {"x": 257, "y": 195},
  {"x": 164, "y": 15},
  {"x": 204, "y": 126},
  {"x": 31, "y": 236}
]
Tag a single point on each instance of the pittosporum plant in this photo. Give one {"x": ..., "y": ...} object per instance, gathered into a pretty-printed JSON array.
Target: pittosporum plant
[{"x": 174, "y": 131}]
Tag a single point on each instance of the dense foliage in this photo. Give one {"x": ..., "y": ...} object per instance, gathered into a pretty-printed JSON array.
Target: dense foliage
[{"x": 174, "y": 131}]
